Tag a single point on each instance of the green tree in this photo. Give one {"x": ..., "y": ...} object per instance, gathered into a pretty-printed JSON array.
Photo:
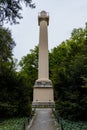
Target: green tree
[
  {"x": 69, "y": 75},
  {"x": 6, "y": 46},
  {"x": 7, "y": 69},
  {"x": 23, "y": 95},
  {"x": 14, "y": 87}
]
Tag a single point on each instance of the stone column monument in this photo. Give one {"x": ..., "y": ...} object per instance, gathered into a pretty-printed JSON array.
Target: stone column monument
[{"x": 43, "y": 90}]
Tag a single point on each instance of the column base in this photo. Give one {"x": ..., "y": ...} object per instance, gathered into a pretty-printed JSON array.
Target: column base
[
  {"x": 43, "y": 104},
  {"x": 43, "y": 94}
]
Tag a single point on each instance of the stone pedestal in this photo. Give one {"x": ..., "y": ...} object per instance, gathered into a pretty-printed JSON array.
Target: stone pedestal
[{"x": 43, "y": 94}]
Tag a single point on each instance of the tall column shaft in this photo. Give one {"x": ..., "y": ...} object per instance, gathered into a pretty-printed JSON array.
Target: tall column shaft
[{"x": 43, "y": 71}]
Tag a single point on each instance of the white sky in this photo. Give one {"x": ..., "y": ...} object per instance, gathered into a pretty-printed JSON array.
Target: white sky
[{"x": 64, "y": 16}]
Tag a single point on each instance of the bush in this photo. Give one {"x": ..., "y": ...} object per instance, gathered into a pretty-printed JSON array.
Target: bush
[
  {"x": 70, "y": 110},
  {"x": 7, "y": 110},
  {"x": 24, "y": 109}
]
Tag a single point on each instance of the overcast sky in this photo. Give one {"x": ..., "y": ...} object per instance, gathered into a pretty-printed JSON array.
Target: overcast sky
[{"x": 64, "y": 16}]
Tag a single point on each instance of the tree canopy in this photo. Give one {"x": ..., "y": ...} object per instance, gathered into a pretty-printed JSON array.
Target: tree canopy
[
  {"x": 69, "y": 75},
  {"x": 10, "y": 10},
  {"x": 14, "y": 88}
]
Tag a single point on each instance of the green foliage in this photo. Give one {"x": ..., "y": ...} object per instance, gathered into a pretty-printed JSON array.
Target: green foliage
[
  {"x": 67, "y": 124},
  {"x": 15, "y": 100},
  {"x": 13, "y": 123},
  {"x": 6, "y": 62},
  {"x": 6, "y": 44},
  {"x": 68, "y": 71},
  {"x": 74, "y": 125},
  {"x": 10, "y": 10},
  {"x": 14, "y": 87},
  {"x": 24, "y": 96}
]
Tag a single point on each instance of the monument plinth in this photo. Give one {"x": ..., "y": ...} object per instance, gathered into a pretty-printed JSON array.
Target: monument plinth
[{"x": 43, "y": 90}]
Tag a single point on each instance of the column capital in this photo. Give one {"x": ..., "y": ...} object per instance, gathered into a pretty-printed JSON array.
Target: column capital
[{"x": 43, "y": 16}]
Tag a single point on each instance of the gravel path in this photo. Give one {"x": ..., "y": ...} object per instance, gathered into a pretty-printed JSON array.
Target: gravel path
[{"x": 44, "y": 120}]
